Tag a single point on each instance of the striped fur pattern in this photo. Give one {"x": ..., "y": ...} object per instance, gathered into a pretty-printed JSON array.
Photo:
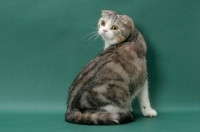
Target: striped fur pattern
[{"x": 103, "y": 91}]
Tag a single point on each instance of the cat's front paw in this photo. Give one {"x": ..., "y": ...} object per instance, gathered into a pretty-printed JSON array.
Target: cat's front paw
[{"x": 149, "y": 112}]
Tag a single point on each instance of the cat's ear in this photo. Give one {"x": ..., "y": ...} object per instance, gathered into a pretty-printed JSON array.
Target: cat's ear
[
  {"x": 127, "y": 21},
  {"x": 107, "y": 12}
]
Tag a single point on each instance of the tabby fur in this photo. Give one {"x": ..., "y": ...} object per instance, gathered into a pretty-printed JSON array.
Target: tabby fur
[{"x": 103, "y": 91}]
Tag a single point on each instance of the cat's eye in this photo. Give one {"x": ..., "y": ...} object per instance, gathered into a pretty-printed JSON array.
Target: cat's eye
[
  {"x": 103, "y": 23},
  {"x": 114, "y": 27}
]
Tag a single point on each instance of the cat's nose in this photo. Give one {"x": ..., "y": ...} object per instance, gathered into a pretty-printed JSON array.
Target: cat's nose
[{"x": 104, "y": 30}]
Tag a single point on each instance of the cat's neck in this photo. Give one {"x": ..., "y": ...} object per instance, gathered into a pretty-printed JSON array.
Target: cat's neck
[{"x": 132, "y": 37}]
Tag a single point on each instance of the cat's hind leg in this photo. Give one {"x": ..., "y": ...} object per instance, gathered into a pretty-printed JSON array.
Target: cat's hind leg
[{"x": 143, "y": 97}]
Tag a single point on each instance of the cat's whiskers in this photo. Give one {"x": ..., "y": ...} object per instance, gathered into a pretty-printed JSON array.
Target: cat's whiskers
[
  {"x": 96, "y": 37},
  {"x": 93, "y": 28},
  {"x": 92, "y": 36},
  {"x": 88, "y": 35}
]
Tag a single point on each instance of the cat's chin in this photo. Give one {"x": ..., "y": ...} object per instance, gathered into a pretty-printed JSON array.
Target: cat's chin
[
  {"x": 108, "y": 40},
  {"x": 109, "y": 43}
]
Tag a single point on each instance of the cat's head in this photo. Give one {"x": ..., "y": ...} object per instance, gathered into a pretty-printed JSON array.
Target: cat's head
[{"x": 114, "y": 28}]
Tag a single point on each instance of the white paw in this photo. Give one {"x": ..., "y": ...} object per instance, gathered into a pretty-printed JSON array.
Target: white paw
[{"x": 149, "y": 112}]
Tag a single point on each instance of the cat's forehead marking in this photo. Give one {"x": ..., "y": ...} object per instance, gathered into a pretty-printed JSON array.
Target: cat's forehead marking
[
  {"x": 112, "y": 18},
  {"x": 108, "y": 23}
]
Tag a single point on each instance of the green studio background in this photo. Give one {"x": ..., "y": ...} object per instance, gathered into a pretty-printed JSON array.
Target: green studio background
[{"x": 44, "y": 45}]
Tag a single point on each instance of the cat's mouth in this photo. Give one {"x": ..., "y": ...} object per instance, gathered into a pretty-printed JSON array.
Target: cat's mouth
[{"x": 107, "y": 36}]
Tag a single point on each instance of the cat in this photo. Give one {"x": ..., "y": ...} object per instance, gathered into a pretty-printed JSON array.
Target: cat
[{"x": 103, "y": 91}]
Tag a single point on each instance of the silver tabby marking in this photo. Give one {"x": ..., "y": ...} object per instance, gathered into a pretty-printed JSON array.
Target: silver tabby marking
[{"x": 103, "y": 91}]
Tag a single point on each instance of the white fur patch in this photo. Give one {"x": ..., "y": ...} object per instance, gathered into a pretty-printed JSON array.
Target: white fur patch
[
  {"x": 115, "y": 117},
  {"x": 110, "y": 108},
  {"x": 114, "y": 109},
  {"x": 109, "y": 43},
  {"x": 149, "y": 112}
]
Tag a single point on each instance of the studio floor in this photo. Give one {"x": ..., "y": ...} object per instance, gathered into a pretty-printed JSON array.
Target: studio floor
[{"x": 54, "y": 122}]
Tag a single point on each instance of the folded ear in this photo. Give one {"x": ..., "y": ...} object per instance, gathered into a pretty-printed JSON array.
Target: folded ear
[
  {"x": 127, "y": 21},
  {"x": 107, "y": 12}
]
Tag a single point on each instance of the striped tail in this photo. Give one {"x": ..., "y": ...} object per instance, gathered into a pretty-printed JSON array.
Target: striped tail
[{"x": 99, "y": 118}]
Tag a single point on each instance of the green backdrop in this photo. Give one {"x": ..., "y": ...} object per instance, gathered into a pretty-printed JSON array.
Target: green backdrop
[{"x": 44, "y": 45}]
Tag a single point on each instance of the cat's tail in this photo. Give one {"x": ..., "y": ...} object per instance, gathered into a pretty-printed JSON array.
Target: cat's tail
[{"x": 99, "y": 118}]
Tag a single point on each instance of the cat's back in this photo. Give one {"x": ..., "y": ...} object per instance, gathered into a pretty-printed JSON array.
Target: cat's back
[
  {"x": 131, "y": 57},
  {"x": 121, "y": 57},
  {"x": 118, "y": 63}
]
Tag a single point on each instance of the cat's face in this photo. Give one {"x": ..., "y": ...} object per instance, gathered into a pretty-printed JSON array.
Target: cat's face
[{"x": 114, "y": 28}]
